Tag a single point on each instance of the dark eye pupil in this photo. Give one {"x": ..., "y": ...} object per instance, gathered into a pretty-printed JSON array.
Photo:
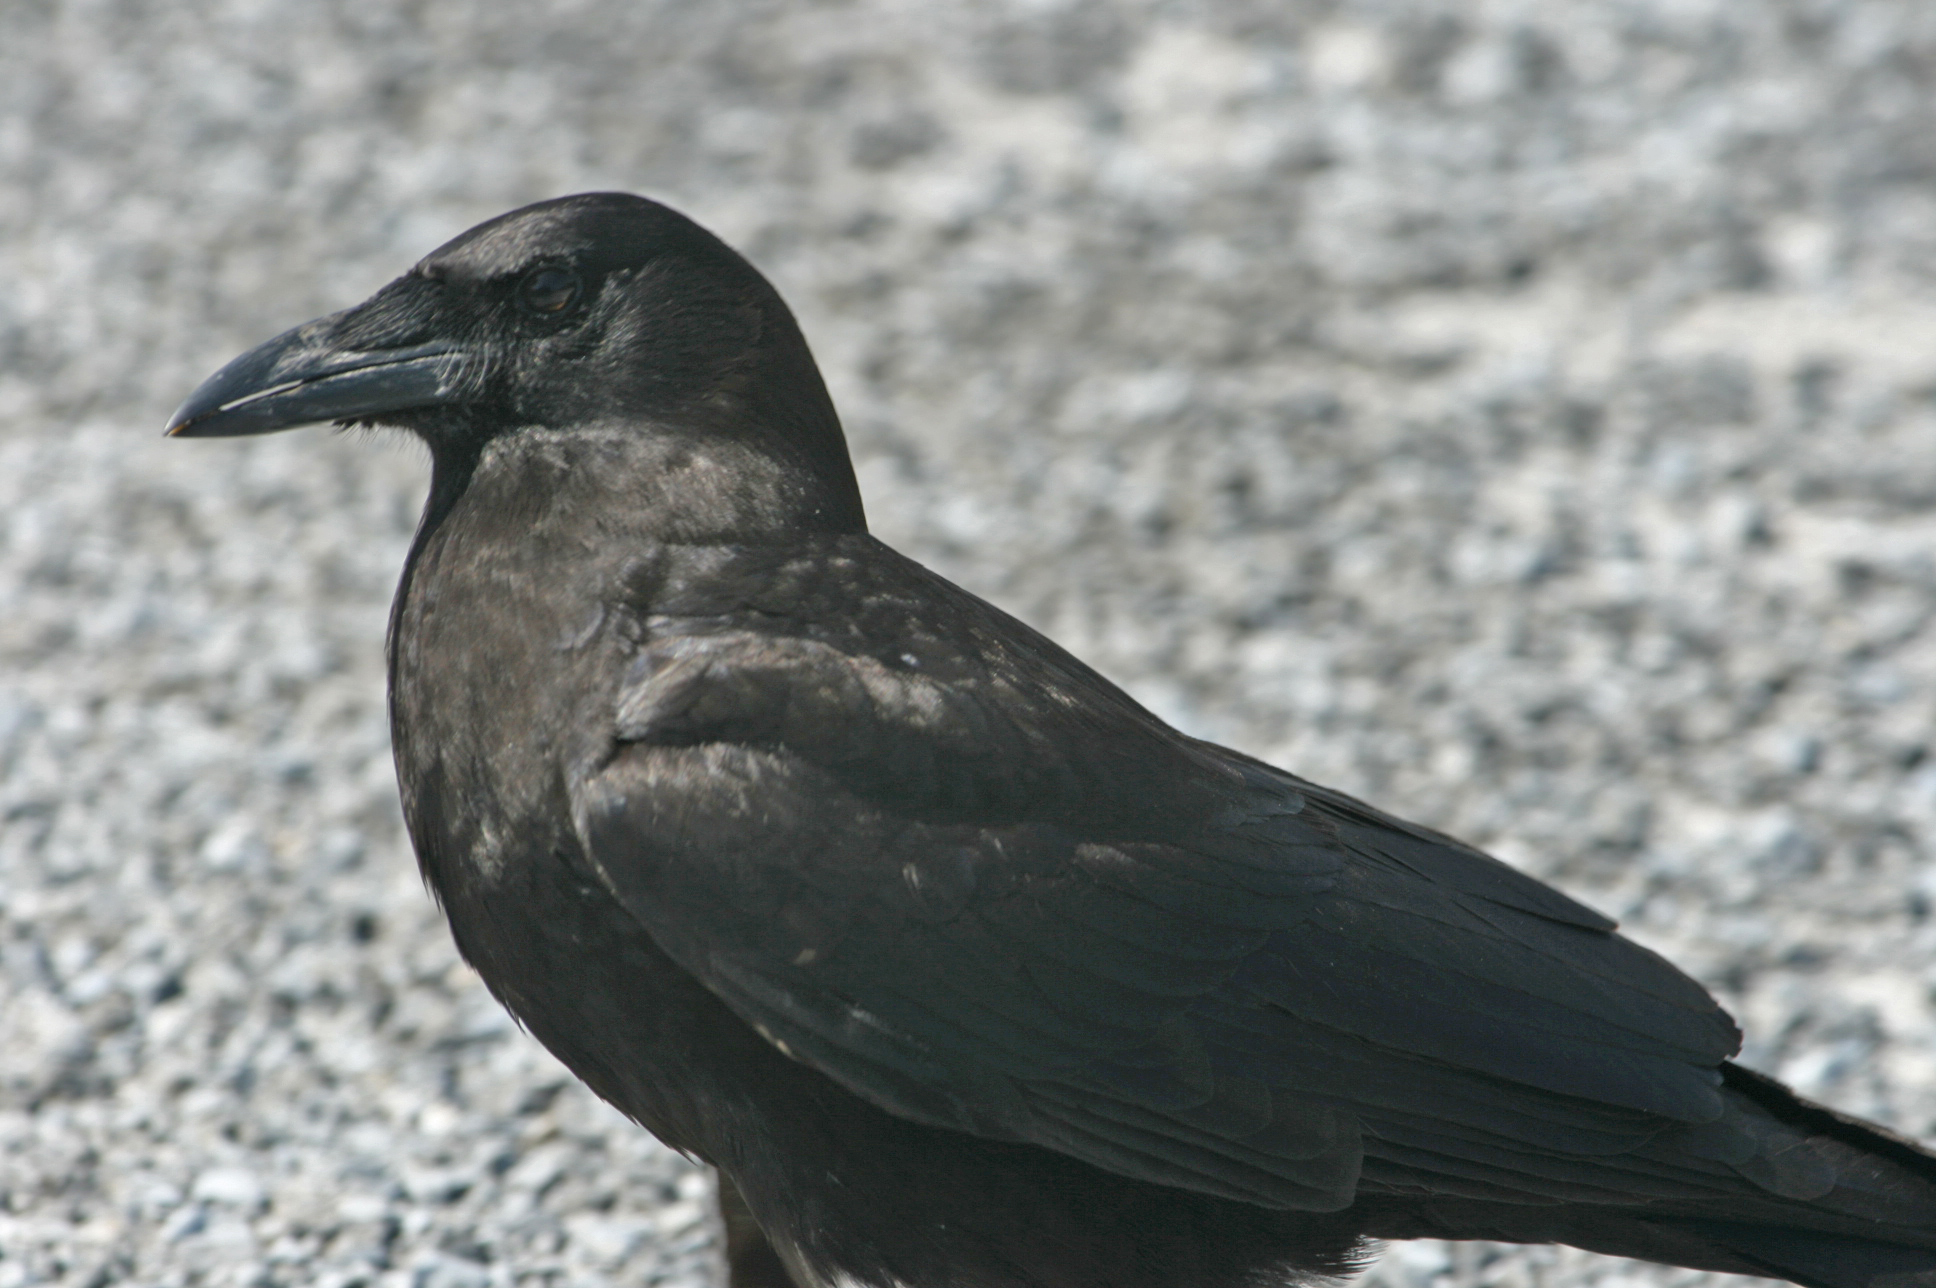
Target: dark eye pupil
[{"x": 549, "y": 290}]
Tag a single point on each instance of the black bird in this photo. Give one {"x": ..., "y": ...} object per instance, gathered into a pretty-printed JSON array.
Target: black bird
[{"x": 962, "y": 968}]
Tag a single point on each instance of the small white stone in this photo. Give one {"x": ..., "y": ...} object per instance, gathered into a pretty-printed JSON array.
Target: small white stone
[
  {"x": 1345, "y": 56},
  {"x": 234, "y": 1186},
  {"x": 357, "y": 1208}
]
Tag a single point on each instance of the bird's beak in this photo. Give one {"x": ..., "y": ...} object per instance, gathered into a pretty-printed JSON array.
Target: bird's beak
[{"x": 300, "y": 378}]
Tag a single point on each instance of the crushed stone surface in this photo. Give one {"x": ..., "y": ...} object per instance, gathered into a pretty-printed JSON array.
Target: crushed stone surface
[{"x": 1522, "y": 415}]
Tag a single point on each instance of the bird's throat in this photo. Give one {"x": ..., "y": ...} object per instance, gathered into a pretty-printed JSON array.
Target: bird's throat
[{"x": 651, "y": 484}]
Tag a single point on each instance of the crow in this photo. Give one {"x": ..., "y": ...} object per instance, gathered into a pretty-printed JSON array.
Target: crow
[{"x": 960, "y": 967}]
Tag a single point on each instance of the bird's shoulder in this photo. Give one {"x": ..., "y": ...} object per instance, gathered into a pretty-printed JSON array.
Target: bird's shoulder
[
  {"x": 862, "y": 665},
  {"x": 852, "y": 594}
]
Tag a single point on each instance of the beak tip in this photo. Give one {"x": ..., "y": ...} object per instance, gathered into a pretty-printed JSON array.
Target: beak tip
[{"x": 179, "y": 424}]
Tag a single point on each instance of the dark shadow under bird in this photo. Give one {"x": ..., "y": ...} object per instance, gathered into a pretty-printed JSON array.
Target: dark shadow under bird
[{"x": 960, "y": 966}]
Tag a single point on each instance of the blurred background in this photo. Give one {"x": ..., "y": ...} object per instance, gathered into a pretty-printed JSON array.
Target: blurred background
[{"x": 1520, "y": 414}]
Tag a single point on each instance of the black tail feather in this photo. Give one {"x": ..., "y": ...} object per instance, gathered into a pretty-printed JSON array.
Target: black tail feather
[
  {"x": 1822, "y": 1200},
  {"x": 1817, "y": 1260}
]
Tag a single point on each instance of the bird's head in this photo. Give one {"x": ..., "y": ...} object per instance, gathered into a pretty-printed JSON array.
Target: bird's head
[{"x": 602, "y": 310}]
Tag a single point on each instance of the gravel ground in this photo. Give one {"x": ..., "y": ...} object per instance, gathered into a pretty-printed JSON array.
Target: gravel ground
[{"x": 1522, "y": 414}]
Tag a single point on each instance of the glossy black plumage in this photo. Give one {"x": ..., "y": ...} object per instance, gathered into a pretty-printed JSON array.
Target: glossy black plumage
[{"x": 960, "y": 965}]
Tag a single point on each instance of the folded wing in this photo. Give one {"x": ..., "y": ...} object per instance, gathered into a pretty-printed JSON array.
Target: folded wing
[{"x": 982, "y": 889}]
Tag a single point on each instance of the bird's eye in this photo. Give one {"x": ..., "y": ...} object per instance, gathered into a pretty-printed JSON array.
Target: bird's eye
[{"x": 549, "y": 291}]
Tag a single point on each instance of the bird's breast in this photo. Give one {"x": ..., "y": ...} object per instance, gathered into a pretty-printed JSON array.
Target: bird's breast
[{"x": 502, "y": 663}]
